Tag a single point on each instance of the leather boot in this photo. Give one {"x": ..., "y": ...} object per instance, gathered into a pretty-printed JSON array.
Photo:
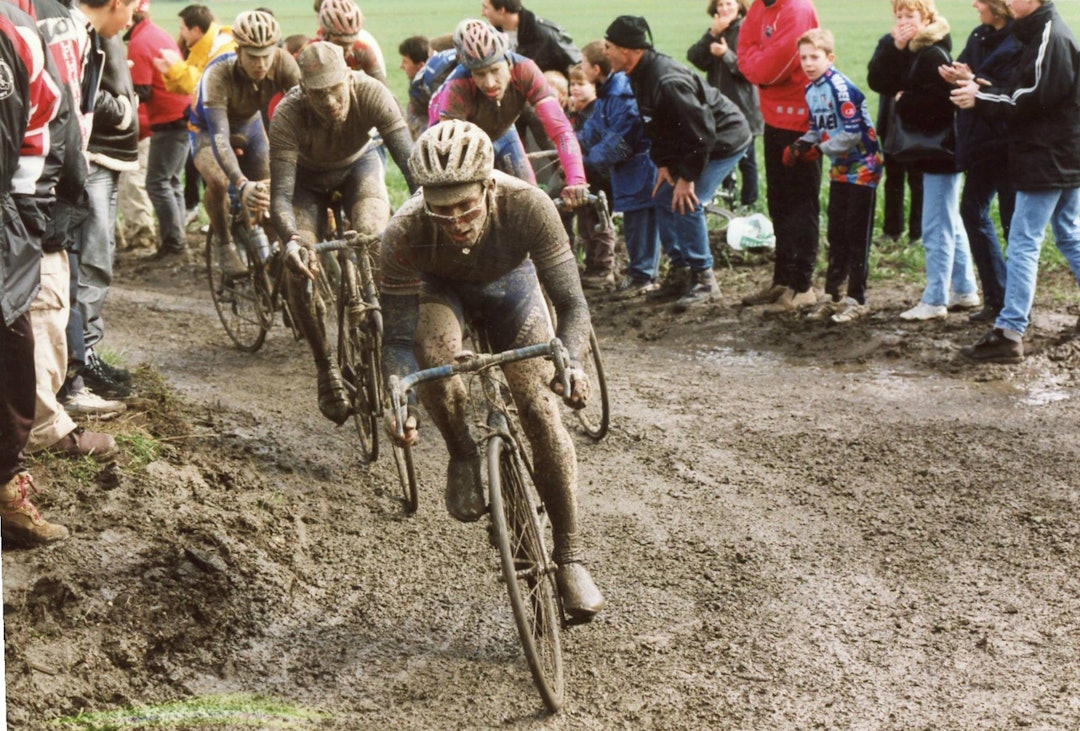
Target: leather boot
[
  {"x": 81, "y": 442},
  {"x": 20, "y": 522},
  {"x": 464, "y": 489},
  {"x": 333, "y": 399},
  {"x": 764, "y": 296},
  {"x": 675, "y": 284},
  {"x": 703, "y": 290}
]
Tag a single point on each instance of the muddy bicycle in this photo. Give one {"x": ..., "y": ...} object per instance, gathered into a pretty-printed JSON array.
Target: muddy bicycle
[{"x": 518, "y": 521}]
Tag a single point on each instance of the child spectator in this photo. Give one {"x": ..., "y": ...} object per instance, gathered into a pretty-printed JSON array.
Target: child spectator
[
  {"x": 840, "y": 127},
  {"x": 414, "y": 52},
  {"x": 599, "y": 246}
]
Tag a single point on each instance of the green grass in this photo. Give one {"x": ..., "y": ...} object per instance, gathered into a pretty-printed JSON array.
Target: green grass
[{"x": 205, "y": 712}]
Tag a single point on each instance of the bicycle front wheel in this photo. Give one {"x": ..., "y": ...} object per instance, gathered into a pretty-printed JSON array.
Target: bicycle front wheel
[
  {"x": 403, "y": 459},
  {"x": 243, "y": 302},
  {"x": 596, "y": 416},
  {"x": 526, "y": 568},
  {"x": 354, "y": 359}
]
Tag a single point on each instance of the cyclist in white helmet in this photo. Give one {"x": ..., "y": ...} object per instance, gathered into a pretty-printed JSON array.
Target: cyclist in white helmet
[
  {"x": 229, "y": 113},
  {"x": 341, "y": 22},
  {"x": 476, "y": 243}
]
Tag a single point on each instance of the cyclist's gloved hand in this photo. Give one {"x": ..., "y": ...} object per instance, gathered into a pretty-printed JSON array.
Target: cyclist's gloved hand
[
  {"x": 579, "y": 388},
  {"x": 575, "y": 196},
  {"x": 301, "y": 258},
  {"x": 254, "y": 196},
  {"x": 411, "y": 433}
]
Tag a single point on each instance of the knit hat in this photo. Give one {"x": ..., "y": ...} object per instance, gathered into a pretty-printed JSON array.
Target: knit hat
[
  {"x": 322, "y": 64},
  {"x": 629, "y": 31}
]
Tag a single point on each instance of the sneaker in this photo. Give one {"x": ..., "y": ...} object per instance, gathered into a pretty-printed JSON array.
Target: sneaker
[
  {"x": 994, "y": 347},
  {"x": 923, "y": 311},
  {"x": 988, "y": 313},
  {"x": 97, "y": 378},
  {"x": 967, "y": 301},
  {"x": 598, "y": 280},
  {"x": 85, "y": 443},
  {"x": 20, "y": 522},
  {"x": 333, "y": 399},
  {"x": 464, "y": 490},
  {"x": 118, "y": 374},
  {"x": 630, "y": 288},
  {"x": 849, "y": 310},
  {"x": 704, "y": 290},
  {"x": 580, "y": 597},
  {"x": 676, "y": 283},
  {"x": 826, "y": 307},
  {"x": 764, "y": 296},
  {"x": 85, "y": 402},
  {"x": 791, "y": 300}
]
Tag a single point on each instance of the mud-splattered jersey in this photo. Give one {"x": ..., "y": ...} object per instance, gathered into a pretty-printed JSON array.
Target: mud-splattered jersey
[
  {"x": 841, "y": 125},
  {"x": 461, "y": 99},
  {"x": 298, "y": 135},
  {"x": 225, "y": 85},
  {"x": 523, "y": 223}
]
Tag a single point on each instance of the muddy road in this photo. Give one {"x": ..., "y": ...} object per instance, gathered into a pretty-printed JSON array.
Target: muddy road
[{"x": 796, "y": 526}]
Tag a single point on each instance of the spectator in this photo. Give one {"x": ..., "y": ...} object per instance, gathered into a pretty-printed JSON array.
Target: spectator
[
  {"x": 533, "y": 37},
  {"x": 295, "y": 43},
  {"x": 991, "y": 53},
  {"x": 205, "y": 41},
  {"x": 840, "y": 127},
  {"x": 1042, "y": 104},
  {"x": 166, "y": 116},
  {"x": 768, "y": 58},
  {"x": 907, "y": 70},
  {"x": 427, "y": 81},
  {"x": 897, "y": 175},
  {"x": 714, "y": 54},
  {"x": 414, "y": 52},
  {"x": 697, "y": 137},
  {"x": 614, "y": 138}
]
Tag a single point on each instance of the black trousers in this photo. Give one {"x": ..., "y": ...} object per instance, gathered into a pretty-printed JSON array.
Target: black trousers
[
  {"x": 896, "y": 175},
  {"x": 851, "y": 225},
  {"x": 17, "y": 393},
  {"x": 795, "y": 210}
]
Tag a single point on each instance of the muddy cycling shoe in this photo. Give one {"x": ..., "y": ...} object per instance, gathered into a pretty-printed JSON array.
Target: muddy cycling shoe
[
  {"x": 581, "y": 599},
  {"x": 464, "y": 490},
  {"x": 231, "y": 263},
  {"x": 333, "y": 400}
]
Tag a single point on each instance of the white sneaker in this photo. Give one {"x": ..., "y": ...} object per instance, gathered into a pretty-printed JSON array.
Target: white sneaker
[
  {"x": 967, "y": 301},
  {"x": 923, "y": 311},
  {"x": 87, "y": 403},
  {"x": 848, "y": 310}
]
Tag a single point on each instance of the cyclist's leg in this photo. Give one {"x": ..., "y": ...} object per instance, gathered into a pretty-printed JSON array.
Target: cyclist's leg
[
  {"x": 216, "y": 203},
  {"x": 366, "y": 200},
  {"x": 510, "y": 157},
  {"x": 250, "y": 137}
]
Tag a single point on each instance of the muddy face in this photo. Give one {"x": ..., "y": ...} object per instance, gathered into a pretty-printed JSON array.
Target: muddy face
[
  {"x": 331, "y": 104},
  {"x": 256, "y": 67}
]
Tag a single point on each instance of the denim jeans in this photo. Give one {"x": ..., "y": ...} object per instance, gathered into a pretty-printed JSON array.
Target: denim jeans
[
  {"x": 97, "y": 248},
  {"x": 642, "y": 243},
  {"x": 1034, "y": 209},
  {"x": 164, "y": 184},
  {"x": 948, "y": 259},
  {"x": 687, "y": 232},
  {"x": 983, "y": 181}
]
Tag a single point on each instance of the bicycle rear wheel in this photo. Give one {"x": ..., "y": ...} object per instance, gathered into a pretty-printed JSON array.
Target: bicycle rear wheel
[
  {"x": 243, "y": 303},
  {"x": 526, "y": 568},
  {"x": 596, "y": 416},
  {"x": 407, "y": 477}
]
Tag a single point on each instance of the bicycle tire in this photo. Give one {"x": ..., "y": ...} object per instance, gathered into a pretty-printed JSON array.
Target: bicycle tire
[
  {"x": 243, "y": 303},
  {"x": 595, "y": 418},
  {"x": 352, "y": 361},
  {"x": 407, "y": 477},
  {"x": 527, "y": 569}
]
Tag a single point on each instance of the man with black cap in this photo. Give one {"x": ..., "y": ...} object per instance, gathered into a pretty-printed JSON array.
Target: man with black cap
[
  {"x": 697, "y": 135},
  {"x": 320, "y": 144}
]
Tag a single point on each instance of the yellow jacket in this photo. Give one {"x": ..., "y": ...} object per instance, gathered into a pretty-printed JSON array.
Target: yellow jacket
[{"x": 183, "y": 76}]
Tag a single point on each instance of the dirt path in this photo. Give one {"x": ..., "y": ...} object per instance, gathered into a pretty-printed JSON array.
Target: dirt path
[{"x": 796, "y": 527}]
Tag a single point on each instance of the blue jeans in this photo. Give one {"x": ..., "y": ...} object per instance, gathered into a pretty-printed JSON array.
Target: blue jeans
[
  {"x": 164, "y": 184},
  {"x": 687, "y": 232},
  {"x": 983, "y": 181},
  {"x": 642, "y": 243},
  {"x": 97, "y": 247},
  {"x": 1034, "y": 209},
  {"x": 948, "y": 259}
]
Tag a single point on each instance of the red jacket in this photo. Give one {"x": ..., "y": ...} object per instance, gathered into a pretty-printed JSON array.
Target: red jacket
[
  {"x": 159, "y": 105},
  {"x": 769, "y": 58}
]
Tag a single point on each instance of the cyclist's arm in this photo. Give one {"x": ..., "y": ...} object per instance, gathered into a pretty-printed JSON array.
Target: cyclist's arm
[
  {"x": 562, "y": 283},
  {"x": 561, "y": 133},
  {"x": 400, "y": 144},
  {"x": 282, "y": 186},
  {"x": 400, "y": 317},
  {"x": 217, "y": 122}
]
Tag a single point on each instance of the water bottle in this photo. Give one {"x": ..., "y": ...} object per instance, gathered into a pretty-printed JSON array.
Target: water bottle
[{"x": 260, "y": 243}]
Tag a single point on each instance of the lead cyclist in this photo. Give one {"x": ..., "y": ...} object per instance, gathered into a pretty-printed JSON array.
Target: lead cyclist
[{"x": 476, "y": 243}]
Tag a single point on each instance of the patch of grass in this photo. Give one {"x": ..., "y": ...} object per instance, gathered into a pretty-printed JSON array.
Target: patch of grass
[
  {"x": 140, "y": 447},
  {"x": 230, "y": 711}
]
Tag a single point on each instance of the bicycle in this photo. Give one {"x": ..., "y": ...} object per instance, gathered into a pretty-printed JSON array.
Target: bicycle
[{"x": 519, "y": 524}]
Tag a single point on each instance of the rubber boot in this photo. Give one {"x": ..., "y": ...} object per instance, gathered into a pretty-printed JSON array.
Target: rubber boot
[{"x": 20, "y": 522}]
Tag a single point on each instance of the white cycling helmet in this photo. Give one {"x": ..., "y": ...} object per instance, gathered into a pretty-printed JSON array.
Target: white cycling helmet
[
  {"x": 341, "y": 18},
  {"x": 452, "y": 153},
  {"x": 257, "y": 31},
  {"x": 478, "y": 44},
  {"x": 751, "y": 232}
]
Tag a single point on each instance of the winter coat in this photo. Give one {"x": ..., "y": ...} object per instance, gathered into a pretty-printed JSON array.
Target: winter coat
[
  {"x": 925, "y": 103},
  {"x": 723, "y": 73},
  {"x": 687, "y": 122},
  {"x": 546, "y": 43},
  {"x": 114, "y": 138},
  {"x": 613, "y": 137},
  {"x": 1041, "y": 103},
  {"x": 992, "y": 55},
  {"x": 183, "y": 76}
]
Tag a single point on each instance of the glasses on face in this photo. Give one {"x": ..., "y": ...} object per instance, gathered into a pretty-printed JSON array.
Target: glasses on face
[{"x": 467, "y": 216}]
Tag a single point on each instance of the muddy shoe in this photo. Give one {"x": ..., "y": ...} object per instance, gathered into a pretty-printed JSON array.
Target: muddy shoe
[
  {"x": 581, "y": 599},
  {"x": 464, "y": 490},
  {"x": 333, "y": 400},
  {"x": 704, "y": 290},
  {"x": 20, "y": 522},
  {"x": 923, "y": 311},
  {"x": 790, "y": 301},
  {"x": 85, "y": 443},
  {"x": 675, "y": 285},
  {"x": 597, "y": 280},
  {"x": 630, "y": 288},
  {"x": 994, "y": 347},
  {"x": 823, "y": 310},
  {"x": 849, "y": 310},
  {"x": 231, "y": 263},
  {"x": 987, "y": 314},
  {"x": 764, "y": 296},
  {"x": 968, "y": 301},
  {"x": 85, "y": 402}
]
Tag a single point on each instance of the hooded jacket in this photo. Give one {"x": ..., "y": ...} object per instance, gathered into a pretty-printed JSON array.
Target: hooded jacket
[
  {"x": 1041, "y": 103},
  {"x": 546, "y": 43},
  {"x": 687, "y": 122},
  {"x": 114, "y": 139},
  {"x": 925, "y": 103}
]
